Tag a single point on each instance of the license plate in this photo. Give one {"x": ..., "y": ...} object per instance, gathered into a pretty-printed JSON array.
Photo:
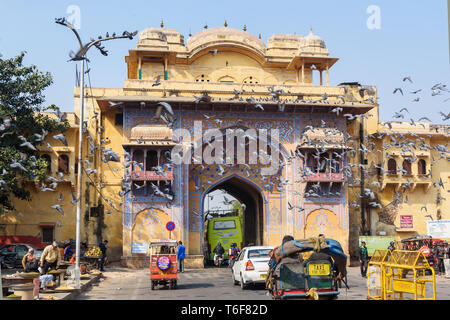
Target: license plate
[
  {"x": 319, "y": 269},
  {"x": 263, "y": 276},
  {"x": 163, "y": 273}
]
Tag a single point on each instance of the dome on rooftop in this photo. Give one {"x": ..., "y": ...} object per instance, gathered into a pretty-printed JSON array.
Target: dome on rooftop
[
  {"x": 311, "y": 41},
  {"x": 224, "y": 34},
  {"x": 158, "y": 37}
]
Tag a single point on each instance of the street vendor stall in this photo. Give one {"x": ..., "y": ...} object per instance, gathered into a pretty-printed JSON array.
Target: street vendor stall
[
  {"x": 21, "y": 282},
  {"x": 92, "y": 258}
]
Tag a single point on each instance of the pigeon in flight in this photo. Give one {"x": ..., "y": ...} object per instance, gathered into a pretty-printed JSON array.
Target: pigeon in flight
[
  {"x": 407, "y": 78},
  {"x": 58, "y": 207},
  {"x": 27, "y": 143},
  {"x": 227, "y": 201},
  {"x": 157, "y": 82},
  {"x": 166, "y": 106},
  {"x": 6, "y": 123},
  {"x": 61, "y": 137},
  {"x": 398, "y": 90},
  {"x": 337, "y": 110},
  {"x": 444, "y": 116},
  {"x": 18, "y": 165},
  {"x": 202, "y": 98}
]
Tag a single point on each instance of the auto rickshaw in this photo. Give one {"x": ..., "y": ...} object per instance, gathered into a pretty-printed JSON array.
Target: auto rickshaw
[
  {"x": 318, "y": 276},
  {"x": 426, "y": 244},
  {"x": 163, "y": 263}
]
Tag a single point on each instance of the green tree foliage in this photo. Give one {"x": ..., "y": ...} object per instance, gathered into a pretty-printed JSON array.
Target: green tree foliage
[
  {"x": 237, "y": 206},
  {"x": 21, "y": 99}
]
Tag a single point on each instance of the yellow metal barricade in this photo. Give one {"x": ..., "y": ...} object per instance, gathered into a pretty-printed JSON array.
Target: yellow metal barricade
[
  {"x": 400, "y": 275},
  {"x": 375, "y": 274},
  {"x": 408, "y": 275}
]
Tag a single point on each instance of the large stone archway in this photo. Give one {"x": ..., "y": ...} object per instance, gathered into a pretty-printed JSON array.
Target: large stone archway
[
  {"x": 244, "y": 186},
  {"x": 251, "y": 195}
]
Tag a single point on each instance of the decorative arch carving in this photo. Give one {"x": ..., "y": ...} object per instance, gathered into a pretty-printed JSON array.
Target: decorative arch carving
[
  {"x": 149, "y": 224},
  {"x": 322, "y": 221},
  {"x": 226, "y": 78}
]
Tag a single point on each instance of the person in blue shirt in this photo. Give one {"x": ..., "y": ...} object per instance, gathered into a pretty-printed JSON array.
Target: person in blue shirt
[
  {"x": 103, "y": 248},
  {"x": 68, "y": 252},
  {"x": 180, "y": 256}
]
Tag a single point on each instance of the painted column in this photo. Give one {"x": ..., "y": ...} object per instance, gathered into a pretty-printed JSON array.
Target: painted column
[
  {"x": 328, "y": 76},
  {"x": 321, "y": 81},
  {"x": 140, "y": 68},
  {"x": 303, "y": 72},
  {"x": 165, "y": 68},
  {"x": 145, "y": 159}
]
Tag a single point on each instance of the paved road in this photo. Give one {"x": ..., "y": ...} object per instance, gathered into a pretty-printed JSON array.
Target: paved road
[
  {"x": 208, "y": 284},
  {"x": 211, "y": 284}
]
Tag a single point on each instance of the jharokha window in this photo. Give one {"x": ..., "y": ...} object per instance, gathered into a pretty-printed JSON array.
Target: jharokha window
[
  {"x": 407, "y": 166},
  {"x": 151, "y": 160},
  {"x": 392, "y": 166},
  {"x": 63, "y": 164},
  {"x": 422, "y": 167}
]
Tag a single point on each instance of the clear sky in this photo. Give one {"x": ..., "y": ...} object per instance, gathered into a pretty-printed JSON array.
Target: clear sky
[{"x": 412, "y": 40}]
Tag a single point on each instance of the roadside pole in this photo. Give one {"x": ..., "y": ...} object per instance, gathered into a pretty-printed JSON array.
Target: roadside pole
[{"x": 1, "y": 284}]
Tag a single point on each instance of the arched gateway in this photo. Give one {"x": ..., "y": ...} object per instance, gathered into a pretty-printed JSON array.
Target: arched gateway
[{"x": 246, "y": 86}]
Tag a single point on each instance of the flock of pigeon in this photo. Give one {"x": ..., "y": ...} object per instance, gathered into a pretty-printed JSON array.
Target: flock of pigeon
[{"x": 409, "y": 142}]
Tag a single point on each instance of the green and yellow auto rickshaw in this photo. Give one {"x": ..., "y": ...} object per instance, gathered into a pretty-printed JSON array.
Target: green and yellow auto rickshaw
[{"x": 307, "y": 269}]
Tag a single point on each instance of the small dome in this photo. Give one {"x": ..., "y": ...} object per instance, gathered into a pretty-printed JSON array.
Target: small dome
[
  {"x": 223, "y": 34},
  {"x": 159, "y": 38},
  {"x": 312, "y": 40},
  {"x": 151, "y": 34}
]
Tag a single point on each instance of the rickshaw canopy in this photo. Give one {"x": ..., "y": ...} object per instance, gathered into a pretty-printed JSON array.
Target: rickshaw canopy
[{"x": 163, "y": 242}]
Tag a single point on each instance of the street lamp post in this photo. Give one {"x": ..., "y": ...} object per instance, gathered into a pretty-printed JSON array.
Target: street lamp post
[{"x": 81, "y": 56}]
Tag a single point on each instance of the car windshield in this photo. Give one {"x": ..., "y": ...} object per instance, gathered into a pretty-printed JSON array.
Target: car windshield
[
  {"x": 224, "y": 224},
  {"x": 7, "y": 249},
  {"x": 258, "y": 253}
]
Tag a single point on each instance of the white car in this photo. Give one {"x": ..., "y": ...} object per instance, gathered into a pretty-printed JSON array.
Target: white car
[{"x": 251, "y": 266}]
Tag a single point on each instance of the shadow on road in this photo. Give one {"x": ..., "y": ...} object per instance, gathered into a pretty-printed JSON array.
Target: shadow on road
[{"x": 195, "y": 285}]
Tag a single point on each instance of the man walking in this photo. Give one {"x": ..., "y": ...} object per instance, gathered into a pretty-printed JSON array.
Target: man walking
[
  {"x": 440, "y": 259},
  {"x": 180, "y": 256},
  {"x": 446, "y": 259},
  {"x": 391, "y": 246},
  {"x": 363, "y": 259},
  {"x": 103, "y": 248},
  {"x": 50, "y": 258}
]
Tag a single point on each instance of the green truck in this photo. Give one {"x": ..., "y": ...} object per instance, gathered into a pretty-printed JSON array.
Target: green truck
[{"x": 226, "y": 230}]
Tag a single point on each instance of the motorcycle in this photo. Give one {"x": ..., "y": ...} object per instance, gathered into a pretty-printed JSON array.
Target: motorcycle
[
  {"x": 8, "y": 260},
  {"x": 218, "y": 260},
  {"x": 232, "y": 261}
]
